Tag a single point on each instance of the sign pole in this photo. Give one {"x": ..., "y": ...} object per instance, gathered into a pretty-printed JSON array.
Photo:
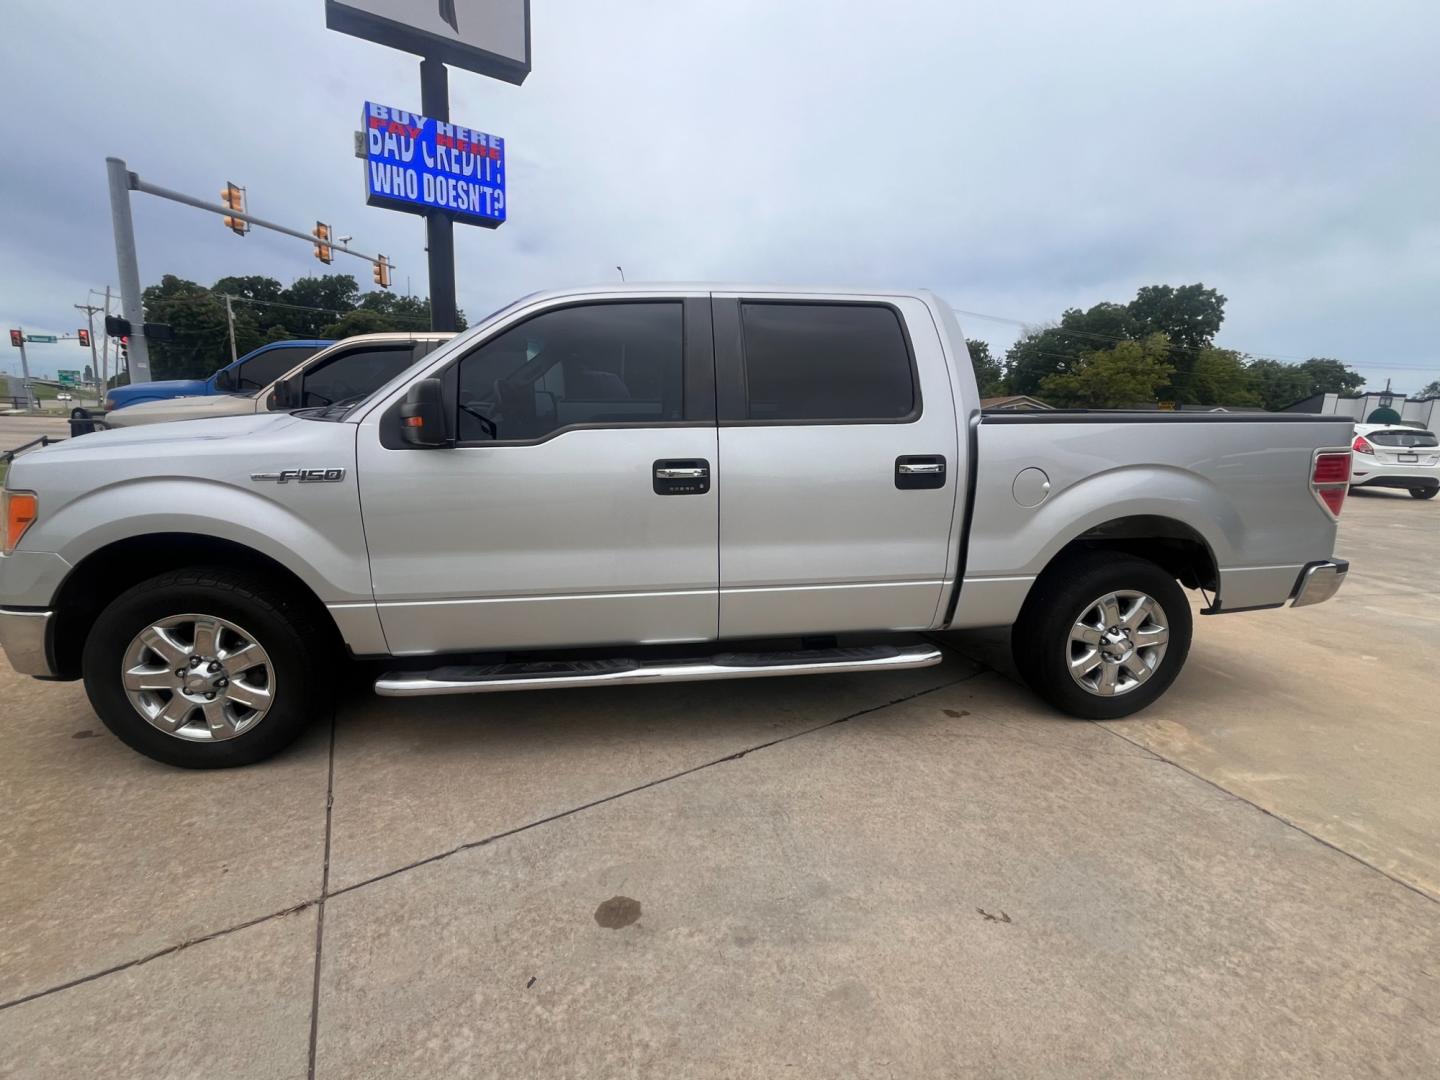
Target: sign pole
[
  {"x": 131, "y": 305},
  {"x": 25, "y": 375},
  {"x": 439, "y": 228}
]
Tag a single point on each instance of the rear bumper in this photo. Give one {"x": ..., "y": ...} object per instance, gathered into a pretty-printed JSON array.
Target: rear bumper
[
  {"x": 1319, "y": 581},
  {"x": 1388, "y": 474},
  {"x": 25, "y": 637}
]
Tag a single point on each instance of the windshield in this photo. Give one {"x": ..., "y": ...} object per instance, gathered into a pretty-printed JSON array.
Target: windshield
[{"x": 1406, "y": 438}]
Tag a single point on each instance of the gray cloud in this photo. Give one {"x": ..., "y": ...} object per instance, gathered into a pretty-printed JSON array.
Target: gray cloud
[{"x": 1018, "y": 157}]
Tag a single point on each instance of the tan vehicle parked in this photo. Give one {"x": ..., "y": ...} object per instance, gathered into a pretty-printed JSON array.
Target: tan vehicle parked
[{"x": 347, "y": 370}]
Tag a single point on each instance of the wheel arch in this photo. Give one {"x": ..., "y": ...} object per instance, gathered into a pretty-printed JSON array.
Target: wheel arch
[
  {"x": 1179, "y": 549},
  {"x": 111, "y": 569}
]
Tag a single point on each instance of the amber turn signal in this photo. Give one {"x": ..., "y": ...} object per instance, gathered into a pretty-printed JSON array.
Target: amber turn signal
[{"x": 21, "y": 508}]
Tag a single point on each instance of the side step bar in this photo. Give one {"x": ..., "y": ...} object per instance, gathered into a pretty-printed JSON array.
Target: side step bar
[{"x": 560, "y": 674}]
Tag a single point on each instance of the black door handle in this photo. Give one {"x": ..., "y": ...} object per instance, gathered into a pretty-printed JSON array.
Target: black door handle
[
  {"x": 681, "y": 476},
  {"x": 916, "y": 471}
]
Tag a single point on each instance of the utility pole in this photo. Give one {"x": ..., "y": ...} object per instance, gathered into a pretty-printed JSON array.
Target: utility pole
[
  {"x": 439, "y": 228},
  {"x": 230, "y": 321},
  {"x": 105, "y": 351},
  {"x": 90, "y": 311},
  {"x": 126, "y": 263},
  {"x": 25, "y": 375}
]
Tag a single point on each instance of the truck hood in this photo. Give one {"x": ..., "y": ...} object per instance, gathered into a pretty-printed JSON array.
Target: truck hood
[
  {"x": 183, "y": 408},
  {"x": 164, "y": 388},
  {"x": 154, "y": 439}
]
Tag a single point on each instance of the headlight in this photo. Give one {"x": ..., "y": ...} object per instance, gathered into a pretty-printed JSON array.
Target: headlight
[{"x": 19, "y": 510}]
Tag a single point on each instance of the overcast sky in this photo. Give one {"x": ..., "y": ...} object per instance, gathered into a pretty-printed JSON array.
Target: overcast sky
[{"x": 1018, "y": 157}]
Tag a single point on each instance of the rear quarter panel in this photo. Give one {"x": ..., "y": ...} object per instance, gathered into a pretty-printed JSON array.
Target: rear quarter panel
[{"x": 1243, "y": 486}]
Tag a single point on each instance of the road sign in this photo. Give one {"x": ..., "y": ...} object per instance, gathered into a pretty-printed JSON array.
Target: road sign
[
  {"x": 69, "y": 378},
  {"x": 418, "y": 164},
  {"x": 41, "y": 339},
  {"x": 490, "y": 37}
]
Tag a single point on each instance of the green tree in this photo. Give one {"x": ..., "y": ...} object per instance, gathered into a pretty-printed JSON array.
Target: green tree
[
  {"x": 1279, "y": 384},
  {"x": 1430, "y": 389},
  {"x": 1220, "y": 377},
  {"x": 1329, "y": 376},
  {"x": 1190, "y": 315},
  {"x": 1130, "y": 373},
  {"x": 315, "y": 302},
  {"x": 201, "y": 342},
  {"x": 989, "y": 372},
  {"x": 1058, "y": 349}
]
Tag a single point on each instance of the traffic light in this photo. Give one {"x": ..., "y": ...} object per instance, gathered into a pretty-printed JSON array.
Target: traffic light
[
  {"x": 84, "y": 336},
  {"x": 323, "y": 251},
  {"x": 382, "y": 272},
  {"x": 234, "y": 199},
  {"x": 117, "y": 326},
  {"x": 125, "y": 351},
  {"x": 16, "y": 339}
]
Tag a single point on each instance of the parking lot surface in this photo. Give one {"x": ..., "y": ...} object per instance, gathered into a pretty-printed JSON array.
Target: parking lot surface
[{"x": 917, "y": 874}]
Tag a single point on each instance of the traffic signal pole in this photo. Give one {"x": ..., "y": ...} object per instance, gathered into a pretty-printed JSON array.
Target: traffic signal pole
[
  {"x": 126, "y": 263},
  {"x": 439, "y": 228}
]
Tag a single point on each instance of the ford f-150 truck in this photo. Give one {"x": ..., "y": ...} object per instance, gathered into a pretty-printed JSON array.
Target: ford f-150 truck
[{"x": 647, "y": 484}]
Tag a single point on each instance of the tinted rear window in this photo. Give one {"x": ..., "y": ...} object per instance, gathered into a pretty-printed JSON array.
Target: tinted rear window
[
  {"x": 260, "y": 372},
  {"x": 1403, "y": 438},
  {"x": 826, "y": 362}
]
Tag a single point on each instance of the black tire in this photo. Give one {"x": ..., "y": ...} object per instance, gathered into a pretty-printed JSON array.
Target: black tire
[
  {"x": 1061, "y": 596},
  {"x": 1424, "y": 493},
  {"x": 299, "y": 651}
]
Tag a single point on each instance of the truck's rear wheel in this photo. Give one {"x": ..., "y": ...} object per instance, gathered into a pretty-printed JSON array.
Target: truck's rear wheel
[
  {"x": 206, "y": 668},
  {"x": 1102, "y": 634}
]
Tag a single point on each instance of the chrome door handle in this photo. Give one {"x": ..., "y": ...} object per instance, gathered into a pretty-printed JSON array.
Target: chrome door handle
[
  {"x": 671, "y": 473},
  {"x": 919, "y": 468}
]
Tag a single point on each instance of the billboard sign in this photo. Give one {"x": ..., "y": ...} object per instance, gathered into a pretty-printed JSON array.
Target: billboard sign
[
  {"x": 418, "y": 164},
  {"x": 491, "y": 37}
]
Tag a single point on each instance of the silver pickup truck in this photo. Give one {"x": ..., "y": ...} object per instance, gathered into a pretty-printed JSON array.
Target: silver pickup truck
[{"x": 641, "y": 484}]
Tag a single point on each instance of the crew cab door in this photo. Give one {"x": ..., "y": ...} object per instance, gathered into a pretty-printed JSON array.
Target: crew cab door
[
  {"x": 838, "y": 464},
  {"x": 575, "y": 506}
]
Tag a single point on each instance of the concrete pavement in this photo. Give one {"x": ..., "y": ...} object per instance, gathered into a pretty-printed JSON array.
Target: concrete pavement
[{"x": 920, "y": 874}]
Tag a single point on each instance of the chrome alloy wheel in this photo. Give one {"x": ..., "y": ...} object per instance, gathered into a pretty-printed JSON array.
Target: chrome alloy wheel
[
  {"x": 1117, "y": 643},
  {"x": 198, "y": 677}
]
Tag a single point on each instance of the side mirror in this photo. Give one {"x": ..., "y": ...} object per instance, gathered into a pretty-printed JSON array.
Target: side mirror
[
  {"x": 422, "y": 415},
  {"x": 286, "y": 395},
  {"x": 225, "y": 381}
]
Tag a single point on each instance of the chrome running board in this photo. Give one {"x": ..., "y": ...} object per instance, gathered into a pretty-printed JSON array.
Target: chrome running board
[{"x": 561, "y": 674}]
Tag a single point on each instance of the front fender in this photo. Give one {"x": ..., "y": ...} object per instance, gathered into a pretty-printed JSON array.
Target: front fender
[{"x": 312, "y": 530}]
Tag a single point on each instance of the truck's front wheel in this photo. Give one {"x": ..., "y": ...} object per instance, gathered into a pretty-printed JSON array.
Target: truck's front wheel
[
  {"x": 1102, "y": 634},
  {"x": 205, "y": 668}
]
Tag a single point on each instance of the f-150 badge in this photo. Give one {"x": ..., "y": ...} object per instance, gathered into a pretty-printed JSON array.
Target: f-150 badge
[{"x": 302, "y": 476}]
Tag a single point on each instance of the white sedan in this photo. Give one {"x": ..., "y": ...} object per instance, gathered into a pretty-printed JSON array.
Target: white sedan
[{"x": 1392, "y": 455}]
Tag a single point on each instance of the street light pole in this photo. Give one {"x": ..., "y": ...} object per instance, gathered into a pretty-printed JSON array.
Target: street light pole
[
  {"x": 439, "y": 228},
  {"x": 131, "y": 305}
]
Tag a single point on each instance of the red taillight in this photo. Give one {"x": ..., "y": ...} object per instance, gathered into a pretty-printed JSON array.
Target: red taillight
[
  {"x": 1331, "y": 469},
  {"x": 1330, "y": 479},
  {"x": 1362, "y": 445}
]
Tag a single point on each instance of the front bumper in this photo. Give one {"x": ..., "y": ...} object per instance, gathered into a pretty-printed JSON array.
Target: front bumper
[
  {"x": 25, "y": 636},
  {"x": 1319, "y": 581}
]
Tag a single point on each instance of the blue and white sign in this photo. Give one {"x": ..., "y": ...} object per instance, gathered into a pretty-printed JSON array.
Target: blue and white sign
[{"x": 417, "y": 164}]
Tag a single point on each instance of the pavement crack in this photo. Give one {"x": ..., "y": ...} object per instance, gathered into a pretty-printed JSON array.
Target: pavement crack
[
  {"x": 168, "y": 950},
  {"x": 1417, "y": 890},
  {"x": 320, "y": 909},
  {"x": 325, "y": 893},
  {"x": 735, "y": 756}
]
